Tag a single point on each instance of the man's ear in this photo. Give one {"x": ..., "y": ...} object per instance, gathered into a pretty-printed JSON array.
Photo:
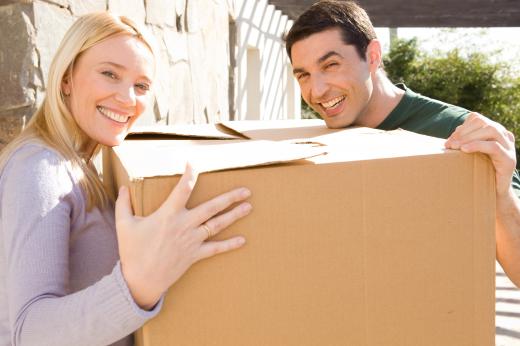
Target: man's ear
[
  {"x": 66, "y": 85},
  {"x": 374, "y": 55}
]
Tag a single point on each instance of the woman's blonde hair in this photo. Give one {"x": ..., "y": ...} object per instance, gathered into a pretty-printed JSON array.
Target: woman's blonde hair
[{"x": 53, "y": 122}]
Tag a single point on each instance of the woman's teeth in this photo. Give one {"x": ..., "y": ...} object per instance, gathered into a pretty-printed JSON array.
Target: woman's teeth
[
  {"x": 111, "y": 115},
  {"x": 332, "y": 103}
]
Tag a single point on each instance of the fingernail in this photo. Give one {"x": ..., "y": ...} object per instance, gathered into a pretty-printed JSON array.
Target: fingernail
[
  {"x": 246, "y": 207},
  {"x": 464, "y": 148},
  {"x": 245, "y": 193},
  {"x": 241, "y": 241},
  {"x": 455, "y": 144}
]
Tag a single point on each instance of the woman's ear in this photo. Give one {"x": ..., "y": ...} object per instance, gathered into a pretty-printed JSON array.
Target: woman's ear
[
  {"x": 374, "y": 55},
  {"x": 66, "y": 85}
]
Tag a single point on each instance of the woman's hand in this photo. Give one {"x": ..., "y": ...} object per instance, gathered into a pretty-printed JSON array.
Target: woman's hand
[{"x": 156, "y": 250}]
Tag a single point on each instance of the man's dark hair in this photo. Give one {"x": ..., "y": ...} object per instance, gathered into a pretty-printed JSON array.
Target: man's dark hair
[{"x": 352, "y": 21}]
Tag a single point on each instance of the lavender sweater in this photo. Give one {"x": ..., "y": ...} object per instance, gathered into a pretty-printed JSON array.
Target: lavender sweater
[{"x": 60, "y": 278}]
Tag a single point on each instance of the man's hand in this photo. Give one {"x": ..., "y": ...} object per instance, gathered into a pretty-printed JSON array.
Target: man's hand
[{"x": 480, "y": 134}]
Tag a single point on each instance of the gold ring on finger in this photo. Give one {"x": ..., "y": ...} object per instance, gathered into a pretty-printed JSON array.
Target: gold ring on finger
[{"x": 209, "y": 234}]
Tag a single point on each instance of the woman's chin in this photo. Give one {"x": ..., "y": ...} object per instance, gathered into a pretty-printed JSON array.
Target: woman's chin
[{"x": 113, "y": 142}]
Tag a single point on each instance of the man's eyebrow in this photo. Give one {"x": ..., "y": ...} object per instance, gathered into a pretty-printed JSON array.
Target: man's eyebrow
[
  {"x": 298, "y": 70},
  {"x": 319, "y": 61},
  {"x": 328, "y": 55}
]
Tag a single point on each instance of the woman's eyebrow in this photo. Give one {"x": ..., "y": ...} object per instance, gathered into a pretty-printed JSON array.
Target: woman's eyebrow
[
  {"x": 148, "y": 79},
  {"x": 113, "y": 64}
]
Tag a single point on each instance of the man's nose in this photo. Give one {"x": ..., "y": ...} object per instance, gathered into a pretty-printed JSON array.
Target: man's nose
[{"x": 318, "y": 87}]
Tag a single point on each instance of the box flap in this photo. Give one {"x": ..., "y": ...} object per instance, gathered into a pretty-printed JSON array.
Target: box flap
[
  {"x": 147, "y": 158},
  {"x": 354, "y": 144},
  {"x": 152, "y": 158},
  {"x": 346, "y": 144},
  {"x": 276, "y": 130},
  {"x": 179, "y": 130}
]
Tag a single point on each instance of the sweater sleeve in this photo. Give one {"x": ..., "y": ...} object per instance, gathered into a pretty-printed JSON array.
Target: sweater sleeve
[{"x": 37, "y": 198}]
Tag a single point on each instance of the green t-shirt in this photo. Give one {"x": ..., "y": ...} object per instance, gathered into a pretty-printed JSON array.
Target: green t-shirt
[{"x": 421, "y": 114}]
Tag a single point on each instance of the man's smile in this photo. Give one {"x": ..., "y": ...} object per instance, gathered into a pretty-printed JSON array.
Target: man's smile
[{"x": 332, "y": 103}]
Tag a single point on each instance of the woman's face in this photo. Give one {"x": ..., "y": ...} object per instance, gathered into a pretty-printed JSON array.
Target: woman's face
[{"x": 110, "y": 87}]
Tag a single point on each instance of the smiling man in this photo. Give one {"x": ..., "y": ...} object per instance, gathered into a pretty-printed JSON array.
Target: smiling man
[{"x": 337, "y": 61}]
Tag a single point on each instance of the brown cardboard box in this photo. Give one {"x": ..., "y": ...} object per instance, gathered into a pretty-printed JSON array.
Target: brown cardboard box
[{"x": 387, "y": 239}]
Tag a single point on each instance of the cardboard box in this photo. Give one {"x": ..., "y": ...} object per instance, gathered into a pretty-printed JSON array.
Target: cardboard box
[{"x": 388, "y": 239}]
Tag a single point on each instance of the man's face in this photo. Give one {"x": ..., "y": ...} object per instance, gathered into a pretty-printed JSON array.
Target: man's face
[{"x": 333, "y": 79}]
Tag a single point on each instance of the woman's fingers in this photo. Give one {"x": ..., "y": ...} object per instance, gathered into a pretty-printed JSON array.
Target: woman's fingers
[
  {"x": 123, "y": 208},
  {"x": 158, "y": 249},
  {"x": 208, "y": 209},
  {"x": 212, "y": 248},
  {"x": 181, "y": 193},
  {"x": 217, "y": 224}
]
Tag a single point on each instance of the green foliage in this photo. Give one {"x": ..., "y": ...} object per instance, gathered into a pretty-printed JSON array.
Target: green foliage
[
  {"x": 308, "y": 112},
  {"x": 471, "y": 81}
]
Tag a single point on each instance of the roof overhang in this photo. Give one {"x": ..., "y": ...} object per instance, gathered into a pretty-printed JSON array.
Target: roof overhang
[{"x": 431, "y": 13}]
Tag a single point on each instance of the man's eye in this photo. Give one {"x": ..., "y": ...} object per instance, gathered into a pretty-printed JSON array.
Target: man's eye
[
  {"x": 301, "y": 76},
  {"x": 332, "y": 64},
  {"x": 109, "y": 74}
]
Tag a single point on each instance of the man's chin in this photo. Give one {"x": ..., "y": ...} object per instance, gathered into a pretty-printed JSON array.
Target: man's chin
[{"x": 336, "y": 122}]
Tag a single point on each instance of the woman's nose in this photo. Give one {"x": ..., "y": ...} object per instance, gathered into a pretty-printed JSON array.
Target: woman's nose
[{"x": 126, "y": 95}]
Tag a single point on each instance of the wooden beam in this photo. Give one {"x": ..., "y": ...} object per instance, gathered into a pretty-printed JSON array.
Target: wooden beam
[{"x": 427, "y": 13}]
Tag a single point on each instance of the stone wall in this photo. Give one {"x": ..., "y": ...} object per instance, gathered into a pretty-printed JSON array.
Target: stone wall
[{"x": 193, "y": 37}]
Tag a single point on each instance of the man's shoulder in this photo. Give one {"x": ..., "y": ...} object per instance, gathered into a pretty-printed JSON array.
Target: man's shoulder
[
  {"x": 424, "y": 104},
  {"x": 429, "y": 116}
]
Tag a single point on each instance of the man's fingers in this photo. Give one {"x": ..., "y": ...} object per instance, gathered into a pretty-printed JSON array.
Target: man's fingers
[
  {"x": 221, "y": 222},
  {"x": 214, "y": 206},
  {"x": 503, "y": 160},
  {"x": 472, "y": 123},
  {"x": 488, "y": 133},
  {"x": 511, "y": 137},
  {"x": 477, "y": 128},
  {"x": 212, "y": 248},
  {"x": 495, "y": 150},
  {"x": 182, "y": 191}
]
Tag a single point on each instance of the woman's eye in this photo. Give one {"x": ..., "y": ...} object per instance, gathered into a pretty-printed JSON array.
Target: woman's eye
[
  {"x": 109, "y": 74},
  {"x": 143, "y": 87}
]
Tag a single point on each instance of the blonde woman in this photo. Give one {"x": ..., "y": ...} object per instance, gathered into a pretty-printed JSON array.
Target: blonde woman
[{"x": 73, "y": 271}]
